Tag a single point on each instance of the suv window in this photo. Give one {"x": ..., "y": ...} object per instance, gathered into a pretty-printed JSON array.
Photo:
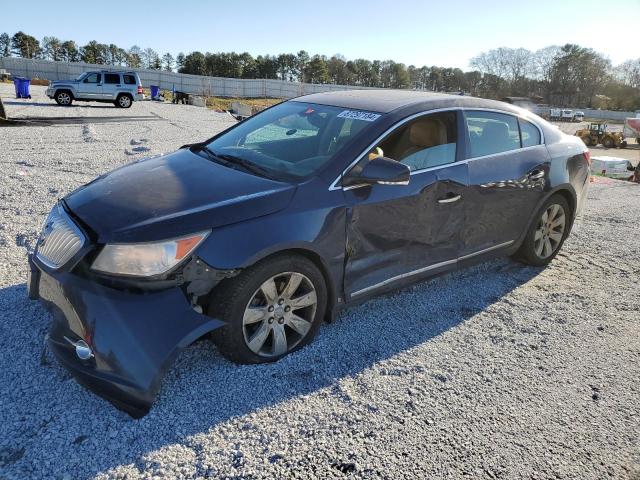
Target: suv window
[
  {"x": 428, "y": 141},
  {"x": 129, "y": 79},
  {"x": 111, "y": 78},
  {"x": 530, "y": 133},
  {"x": 92, "y": 78},
  {"x": 491, "y": 133}
]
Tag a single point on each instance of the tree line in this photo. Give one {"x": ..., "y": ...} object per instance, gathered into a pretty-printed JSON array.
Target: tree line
[{"x": 569, "y": 75}]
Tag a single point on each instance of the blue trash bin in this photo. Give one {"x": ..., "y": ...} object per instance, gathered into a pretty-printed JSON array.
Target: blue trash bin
[
  {"x": 155, "y": 92},
  {"x": 22, "y": 87}
]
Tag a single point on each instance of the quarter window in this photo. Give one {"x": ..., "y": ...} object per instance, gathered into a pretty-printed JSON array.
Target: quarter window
[
  {"x": 530, "y": 133},
  {"x": 129, "y": 79},
  {"x": 92, "y": 78},
  {"x": 428, "y": 141},
  {"x": 111, "y": 78},
  {"x": 491, "y": 133}
]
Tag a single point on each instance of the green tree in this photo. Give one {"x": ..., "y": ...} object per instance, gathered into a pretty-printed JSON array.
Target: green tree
[
  {"x": 194, "y": 63},
  {"x": 69, "y": 51},
  {"x": 25, "y": 45},
  {"x": 316, "y": 70},
  {"x": 51, "y": 48},
  {"x": 168, "y": 62}
]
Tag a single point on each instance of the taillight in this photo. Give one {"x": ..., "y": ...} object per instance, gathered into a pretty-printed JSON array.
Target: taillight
[
  {"x": 139, "y": 88},
  {"x": 587, "y": 157}
]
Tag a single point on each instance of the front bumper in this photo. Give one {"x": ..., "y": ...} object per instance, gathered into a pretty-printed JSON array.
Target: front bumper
[
  {"x": 49, "y": 92},
  {"x": 133, "y": 337}
]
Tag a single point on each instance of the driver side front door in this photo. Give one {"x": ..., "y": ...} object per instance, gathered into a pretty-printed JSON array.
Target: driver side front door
[
  {"x": 397, "y": 233},
  {"x": 91, "y": 86}
]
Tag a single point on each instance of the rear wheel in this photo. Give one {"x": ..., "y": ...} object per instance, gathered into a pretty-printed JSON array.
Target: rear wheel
[
  {"x": 123, "y": 101},
  {"x": 586, "y": 139},
  {"x": 271, "y": 309},
  {"x": 547, "y": 232},
  {"x": 63, "y": 97}
]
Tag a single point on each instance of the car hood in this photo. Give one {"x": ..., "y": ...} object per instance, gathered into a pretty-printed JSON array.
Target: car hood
[{"x": 173, "y": 195}]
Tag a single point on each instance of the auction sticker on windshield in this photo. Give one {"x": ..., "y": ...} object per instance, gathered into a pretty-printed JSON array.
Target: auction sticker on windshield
[{"x": 358, "y": 115}]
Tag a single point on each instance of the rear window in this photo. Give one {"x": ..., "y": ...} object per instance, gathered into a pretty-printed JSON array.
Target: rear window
[
  {"x": 111, "y": 78},
  {"x": 129, "y": 79},
  {"x": 530, "y": 133},
  {"x": 491, "y": 133}
]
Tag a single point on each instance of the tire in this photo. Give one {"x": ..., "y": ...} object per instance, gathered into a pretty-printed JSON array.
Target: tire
[
  {"x": 123, "y": 101},
  {"x": 623, "y": 144},
  {"x": 530, "y": 251},
  {"x": 254, "y": 325},
  {"x": 63, "y": 97},
  {"x": 608, "y": 142}
]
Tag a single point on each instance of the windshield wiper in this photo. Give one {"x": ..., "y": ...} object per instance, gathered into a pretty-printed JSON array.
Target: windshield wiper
[{"x": 245, "y": 164}]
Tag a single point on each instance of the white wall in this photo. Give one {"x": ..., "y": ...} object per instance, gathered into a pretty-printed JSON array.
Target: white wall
[{"x": 194, "y": 84}]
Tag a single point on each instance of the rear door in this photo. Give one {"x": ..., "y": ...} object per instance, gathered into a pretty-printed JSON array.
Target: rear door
[
  {"x": 111, "y": 86},
  {"x": 397, "y": 232},
  {"x": 508, "y": 167},
  {"x": 91, "y": 86}
]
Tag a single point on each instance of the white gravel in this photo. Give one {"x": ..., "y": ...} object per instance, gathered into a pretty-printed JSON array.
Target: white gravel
[{"x": 499, "y": 371}]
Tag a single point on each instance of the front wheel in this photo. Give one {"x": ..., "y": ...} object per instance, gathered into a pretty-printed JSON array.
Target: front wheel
[
  {"x": 608, "y": 142},
  {"x": 547, "y": 232},
  {"x": 271, "y": 309},
  {"x": 63, "y": 98}
]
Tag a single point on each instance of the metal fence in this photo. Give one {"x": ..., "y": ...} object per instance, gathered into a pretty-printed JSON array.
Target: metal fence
[{"x": 193, "y": 84}]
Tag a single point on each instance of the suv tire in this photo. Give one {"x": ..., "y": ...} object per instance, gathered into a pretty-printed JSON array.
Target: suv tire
[
  {"x": 124, "y": 100},
  {"x": 63, "y": 97}
]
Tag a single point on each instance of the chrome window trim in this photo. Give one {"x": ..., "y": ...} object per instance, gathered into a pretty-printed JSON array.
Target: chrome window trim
[
  {"x": 334, "y": 185},
  {"x": 428, "y": 267}
]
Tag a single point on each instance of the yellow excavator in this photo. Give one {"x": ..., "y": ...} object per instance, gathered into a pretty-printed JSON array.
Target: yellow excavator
[{"x": 597, "y": 134}]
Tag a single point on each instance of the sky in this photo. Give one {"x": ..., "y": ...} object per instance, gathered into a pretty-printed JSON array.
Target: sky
[{"x": 442, "y": 33}]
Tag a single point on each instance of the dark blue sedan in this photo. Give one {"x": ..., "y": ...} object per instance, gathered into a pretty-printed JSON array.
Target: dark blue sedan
[{"x": 259, "y": 234}]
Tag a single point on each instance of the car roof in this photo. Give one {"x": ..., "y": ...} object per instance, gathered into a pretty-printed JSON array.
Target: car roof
[{"x": 388, "y": 100}]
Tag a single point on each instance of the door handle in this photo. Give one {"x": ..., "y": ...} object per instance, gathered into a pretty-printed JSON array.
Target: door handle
[
  {"x": 536, "y": 174},
  {"x": 450, "y": 199}
]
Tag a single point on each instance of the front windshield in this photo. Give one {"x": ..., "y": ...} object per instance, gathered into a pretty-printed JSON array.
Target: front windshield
[{"x": 292, "y": 140}]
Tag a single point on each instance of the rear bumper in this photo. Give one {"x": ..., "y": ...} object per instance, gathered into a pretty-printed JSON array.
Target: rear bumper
[
  {"x": 138, "y": 97},
  {"x": 133, "y": 337}
]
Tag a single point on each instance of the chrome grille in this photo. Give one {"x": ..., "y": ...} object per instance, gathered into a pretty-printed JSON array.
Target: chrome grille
[{"x": 59, "y": 240}]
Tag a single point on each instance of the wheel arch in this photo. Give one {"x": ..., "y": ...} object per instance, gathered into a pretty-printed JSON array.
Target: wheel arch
[
  {"x": 316, "y": 259},
  {"x": 568, "y": 193},
  {"x": 64, "y": 89}
]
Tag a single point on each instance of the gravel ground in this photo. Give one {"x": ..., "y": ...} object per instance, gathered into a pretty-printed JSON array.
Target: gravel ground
[{"x": 498, "y": 371}]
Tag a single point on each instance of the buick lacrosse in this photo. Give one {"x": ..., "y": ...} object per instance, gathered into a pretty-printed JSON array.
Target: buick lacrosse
[{"x": 260, "y": 233}]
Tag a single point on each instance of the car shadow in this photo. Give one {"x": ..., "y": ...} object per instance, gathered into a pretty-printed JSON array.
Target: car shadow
[
  {"x": 203, "y": 389},
  {"x": 53, "y": 104}
]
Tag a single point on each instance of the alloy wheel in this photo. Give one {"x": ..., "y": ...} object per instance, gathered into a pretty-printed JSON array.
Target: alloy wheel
[
  {"x": 125, "y": 101},
  {"x": 550, "y": 231},
  {"x": 279, "y": 314},
  {"x": 64, "y": 98}
]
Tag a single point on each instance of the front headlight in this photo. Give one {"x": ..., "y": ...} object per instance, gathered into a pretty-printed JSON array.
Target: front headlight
[{"x": 146, "y": 259}]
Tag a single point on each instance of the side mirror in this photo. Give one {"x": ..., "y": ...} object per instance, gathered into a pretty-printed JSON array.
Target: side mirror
[{"x": 380, "y": 171}]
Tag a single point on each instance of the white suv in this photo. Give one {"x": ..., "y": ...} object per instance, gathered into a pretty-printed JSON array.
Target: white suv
[{"x": 119, "y": 88}]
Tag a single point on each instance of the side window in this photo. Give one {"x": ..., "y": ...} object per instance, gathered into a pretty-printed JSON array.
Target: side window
[
  {"x": 111, "y": 78},
  {"x": 92, "y": 78},
  {"x": 129, "y": 79},
  {"x": 428, "y": 141},
  {"x": 530, "y": 133},
  {"x": 491, "y": 132}
]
